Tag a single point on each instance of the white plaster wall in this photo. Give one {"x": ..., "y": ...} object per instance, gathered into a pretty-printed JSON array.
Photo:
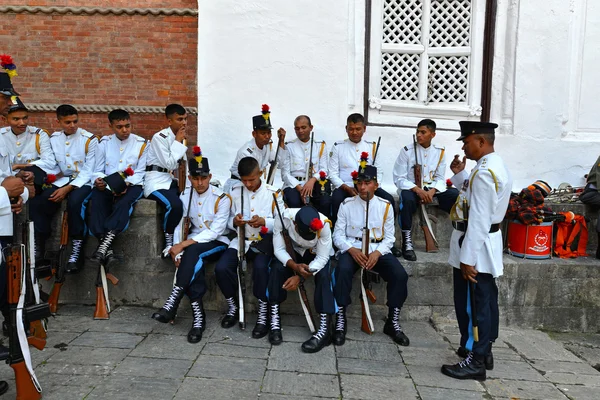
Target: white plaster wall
[{"x": 306, "y": 57}]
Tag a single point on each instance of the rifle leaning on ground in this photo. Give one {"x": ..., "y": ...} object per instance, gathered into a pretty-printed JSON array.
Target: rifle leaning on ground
[
  {"x": 301, "y": 289},
  {"x": 186, "y": 227},
  {"x": 273, "y": 168},
  {"x": 309, "y": 169},
  {"x": 37, "y": 327},
  {"x": 366, "y": 278},
  {"x": 431, "y": 243},
  {"x": 59, "y": 275},
  {"x": 242, "y": 265}
]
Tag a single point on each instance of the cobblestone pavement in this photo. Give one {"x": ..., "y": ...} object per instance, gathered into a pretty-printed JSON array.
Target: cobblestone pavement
[{"x": 131, "y": 357}]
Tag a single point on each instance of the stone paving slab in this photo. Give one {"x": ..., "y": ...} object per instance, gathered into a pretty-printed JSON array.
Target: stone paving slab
[
  {"x": 507, "y": 389},
  {"x": 377, "y": 387},
  {"x": 168, "y": 346},
  {"x": 301, "y": 384},
  {"x": 153, "y": 367},
  {"x": 217, "y": 389},
  {"x": 218, "y": 367},
  {"x": 436, "y": 393},
  {"x": 115, "y": 340},
  {"x": 434, "y": 358},
  {"x": 535, "y": 345},
  {"x": 589, "y": 354},
  {"x": 289, "y": 357},
  {"x": 515, "y": 370},
  {"x": 370, "y": 367},
  {"x": 562, "y": 378},
  {"x": 106, "y": 357},
  {"x": 425, "y": 375},
  {"x": 369, "y": 351},
  {"x": 230, "y": 350},
  {"x": 580, "y": 392},
  {"x": 545, "y": 367},
  {"x": 119, "y": 387}
]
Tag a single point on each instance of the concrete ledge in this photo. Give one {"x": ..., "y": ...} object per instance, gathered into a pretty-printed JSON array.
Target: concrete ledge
[{"x": 555, "y": 294}]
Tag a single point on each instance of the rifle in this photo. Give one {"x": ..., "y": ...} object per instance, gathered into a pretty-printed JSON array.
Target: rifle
[
  {"x": 376, "y": 150},
  {"x": 37, "y": 329},
  {"x": 309, "y": 169},
  {"x": 366, "y": 277},
  {"x": 301, "y": 289},
  {"x": 102, "y": 309},
  {"x": 182, "y": 172},
  {"x": 185, "y": 228},
  {"x": 59, "y": 277},
  {"x": 475, "y": 322},
  {"x": 431, "y": 243},
  {"x": 273, "y": 169},
  {"x": 242, "y": 265}
]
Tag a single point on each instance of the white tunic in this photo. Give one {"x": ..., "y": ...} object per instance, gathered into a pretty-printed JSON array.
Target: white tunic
[
  {"x": 31, "y": 147},
  {"x": 487, "y": 192},
  {"x": 115, "y": 155},
  {"x": 433, "y": 167},
  {"x": 344, "y": 158},
  {"x": 76, "y": 156},
  {"x": 321, "y": 245},
  {"x": 163, "y": 151},
  {"x": 259, "y": 203},
  {"x": 209, "y": 215},
  {"x": 351, "y": 221},
  {"x": 295, "y": 161},
  {"x": 6, "y": 215}
]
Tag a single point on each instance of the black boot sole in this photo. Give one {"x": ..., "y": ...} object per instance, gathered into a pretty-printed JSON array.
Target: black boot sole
[
  {"x": 311, "y": 350},
  {"x": 465, "y": 377}
]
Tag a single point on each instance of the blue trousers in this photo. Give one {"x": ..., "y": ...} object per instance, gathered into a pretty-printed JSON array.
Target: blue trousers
[
  {"x": 408, "y": 205},
  {"x": 226, "y": 273},
  {"x": 322, "y": 203},
  {"x": 191, "y": 271},
  {"x": 171, "y": 204},
  {"x": 324, "y": 299},
  {"x": 339, "y": 196},
  {"x": 486, "y": 297},
  {"x": 388, "y": 267},
  {"x": 41, "y": 211},
  {"x": 110, "y": 212}
]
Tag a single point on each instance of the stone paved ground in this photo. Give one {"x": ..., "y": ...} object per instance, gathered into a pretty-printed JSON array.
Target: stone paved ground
[{"x": 132, "y": 357}]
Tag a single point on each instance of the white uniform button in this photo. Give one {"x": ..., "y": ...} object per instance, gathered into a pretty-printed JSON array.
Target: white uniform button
[
  {"x": 69, "y": 166},
  {"x": 19, "y": 155},
  {"x": 18, "y": 143},
  {"x": 67, "y": 143},
  {"x": 68, "y": 155}
]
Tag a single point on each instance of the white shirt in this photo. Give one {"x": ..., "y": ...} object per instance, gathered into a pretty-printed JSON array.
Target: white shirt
[
  {"x": 6, "y": 215},
  {"x": 31, "y": 147},
  {"x": 487, "y": 192},
  {"x": 259, "y": 203},
  {"x": 250, "y": 149},
  {"x": 115, "y": 155},
  {"x": 321, "y": 245},
  {"x": 433, "y": 167},
  {"x": 344, "y": 158},
  {"x": 164, "y": 151},
  {"x": 209, "y": 214},
  {"x": 351, "y": 221},
  {"x": 76, "y": 156},
  {"x": 295, "y": 161}
]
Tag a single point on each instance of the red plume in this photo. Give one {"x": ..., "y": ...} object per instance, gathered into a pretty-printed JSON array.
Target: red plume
[
  {"x": 264, "y": 230},
  {"x": 354, "y": 174},
  {"x": 50, "y": 178},
  {"x": 5, "y": 59},
  {"x": 364, "y": 155},
  {"x": 129, "y": 171},
  {"x": 316, "y": 224},
  {"x": 448, "y": 182},
  {"x": 196, "y": 150},
  {"x": 265, "y": 108},
  {"x": 322, "y": 175}
]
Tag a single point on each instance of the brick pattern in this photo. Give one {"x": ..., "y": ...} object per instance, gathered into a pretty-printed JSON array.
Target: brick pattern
[
  {"x": 104, "y": 3},
  {"x": 139, "y": 60}
]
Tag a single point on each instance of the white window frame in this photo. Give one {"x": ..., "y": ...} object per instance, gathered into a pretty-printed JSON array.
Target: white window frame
[{"x": 408, "y": 113}]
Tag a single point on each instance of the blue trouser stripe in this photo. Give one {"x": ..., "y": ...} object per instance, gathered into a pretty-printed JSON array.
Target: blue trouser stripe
[
  {"x": 332, "y": 286},
  {"x": 267, "y": 291},
  {"x": 131, "y": 210},
  {"x": 471, "y": 339},
  {"x": 167, "y": 204},
  {"x": 198, "y": 265}
]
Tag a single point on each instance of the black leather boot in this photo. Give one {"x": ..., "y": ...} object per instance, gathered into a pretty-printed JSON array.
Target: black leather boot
[
  {"x": 104, "y": 245},
  {"x": 321, "y": 338},
  {"x": 232, "y": 315},
  {"x": 275, "y": 336},
  {"x": 75, "y": 262},
  {"x": 471, "y": 367},
  {"x": 339, "y": 334},
  {"x": 195, "y": 334},
  {"x": 261, "y": 329},
  {"x": 408, "y": 250},
  {"x": 168, "y": 312},
  {"x": 488, "y": 360},
  {"x": 393, "y": 329}
]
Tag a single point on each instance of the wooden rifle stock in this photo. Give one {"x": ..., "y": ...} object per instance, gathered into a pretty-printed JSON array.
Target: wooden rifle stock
[
  {"x": 59, "y": 274},
  {"x": 366, "y": 277},
  {"x": 309, "y": 169},
  {"x": 242, "y": 266}
]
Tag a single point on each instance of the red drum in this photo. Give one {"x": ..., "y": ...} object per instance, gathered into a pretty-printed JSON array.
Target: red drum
[{"x": 530, "y": 241}]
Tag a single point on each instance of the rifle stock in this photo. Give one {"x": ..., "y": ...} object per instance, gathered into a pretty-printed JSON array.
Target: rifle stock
[
  {"x": 59, "y": 276},
  {"x": 367, "y": 293},
  {"x": 242, "y": 266}
]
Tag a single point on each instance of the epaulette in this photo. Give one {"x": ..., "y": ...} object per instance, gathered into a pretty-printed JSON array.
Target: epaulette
[
  {"x": 292, "y": 141},
  {"x": 382, "y": 199},
  {"x": 249, "y": 150},
  {"x": 162, "y": 135},
  {"x": 272, "y": 188},
  {"x": 35, "y": 130},
  {"x": 140, "y": 139},
  {"x": 369, "y": 141},
  {"x": 4, "y": 130},
  {"x": 87, "y": 134},
  {"x": 106, "y": 138},
  {"x": 439, "y": 147},
  {"x": 320, "y": 141},
  {"x": 405, "y": 148},
  {"x": 222, "y": 196},
  {"x": 340, "y": 142},
  {"x": 56, "y": 134},
  {"x": 347, "y": 199}
]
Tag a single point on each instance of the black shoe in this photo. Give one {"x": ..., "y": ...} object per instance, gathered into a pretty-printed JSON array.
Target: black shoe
[
  {"x": 339, "y": 334},
  {"x": 261, "y": 329},
  {"x": 75, "y": 262},
  {"x": 195, "y": 334},
  {"x": 407, "y": 246},
  {"x": 232, "y": 315},
  {"x": 275, "y": 337},
  {"x": 74, "y": 267},
  {"x": 321, "y": 338},
  {"x": 409, "y": 255},
  {"x": 396, "y": 252},
  {"x": 4, "y": 352},
  {"x": 3, "y": 387},
  {"x": 488, "y": 360},
  {"x": 104, "y": 245},
  {"x": 168, "y": 312},
  {"x": 393, "y": 329},
  {"x": 471, "y": 367}
]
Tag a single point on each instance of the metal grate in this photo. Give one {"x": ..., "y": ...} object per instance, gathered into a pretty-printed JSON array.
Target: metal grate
[
  {"x": 448, "y": 79},
  {"x": 402, "y": 21},
  {"x": 400, "y": 76},
  {"x": 450, "y": 23}
]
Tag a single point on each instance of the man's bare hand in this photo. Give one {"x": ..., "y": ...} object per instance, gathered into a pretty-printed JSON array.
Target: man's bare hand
[
  {"x": 307, "y": 189},
  {"x": 456, "y": 165},
  {"x": 18, "y": 206},
  {"x": 468, "y": 272},
  {"x": 60, "y": 193},
  {"x": 100, "y": 184},
  {"x": 281, "y": 135},
  {"x": 181, "y": 134},
  {"x": 372, "y": 259},
  {"x": 429, "y": 196},
  {"x": 14, "y": 186},
  {"x": 303, "y": 270},
  {"x": 257, "y": 222},
  {"x": 26, "y": 176},
  {"x": 238, "y": 220},
  {"x": 358, "y": 256},
  {"x": 349, "y": 190},
  {"x": 291, "y": 283}
]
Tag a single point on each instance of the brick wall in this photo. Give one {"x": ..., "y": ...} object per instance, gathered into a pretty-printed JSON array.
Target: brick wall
[{"x": 116, "y": 60}]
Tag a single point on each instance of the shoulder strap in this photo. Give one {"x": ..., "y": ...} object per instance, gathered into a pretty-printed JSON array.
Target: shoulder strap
[
  {"x": 87, "y": 144},
  {"x": 142, "y": 149},
  {"x": 440, "y": 161},
  {"x": 37, "y": 142},
  {"x": 219, "y": 199},
  {"x": 322, "y": 149}
]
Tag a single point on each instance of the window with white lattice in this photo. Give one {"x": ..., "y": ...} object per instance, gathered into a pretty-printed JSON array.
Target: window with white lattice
[{"x": 425, "y": 59}]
